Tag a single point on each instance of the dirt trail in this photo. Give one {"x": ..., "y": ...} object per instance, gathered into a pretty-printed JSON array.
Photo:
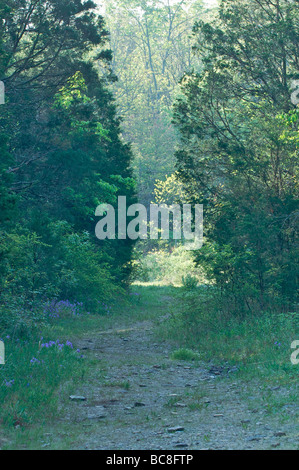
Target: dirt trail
[{"x": 141, "y": 399}]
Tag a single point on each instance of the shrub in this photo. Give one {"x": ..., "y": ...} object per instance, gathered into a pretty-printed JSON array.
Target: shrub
[
  {"x": 167, "y": 266},
  {"x": 185, "y": 355},
  {"x": 189, "y": 282}
]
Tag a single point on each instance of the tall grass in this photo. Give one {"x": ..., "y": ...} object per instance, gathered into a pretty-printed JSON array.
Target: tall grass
[
  {"x": 259, "y": 342},
  {"x": 31, "y": 377}
]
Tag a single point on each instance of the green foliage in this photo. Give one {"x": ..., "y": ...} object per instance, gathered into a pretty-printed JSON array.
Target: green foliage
[
  {"x": 239, "y": 150},
  {"x": 170, "y": 191},
  {"x": 189, "y": 282},
  {"x": 167, "y": 266},
  {"x": 152, "y": 47},
  {"x": 258, "y": 344},
  {"x": 30, "y": 379},
  {"x": 68, "y": 266},
  {"x": 62, "y": 155},
  {"x": 7, "y": 198},
  {"x": 185, "y": 355},
  {"x": 21, "y": 264},
  {"x": 79, "y": 270}
]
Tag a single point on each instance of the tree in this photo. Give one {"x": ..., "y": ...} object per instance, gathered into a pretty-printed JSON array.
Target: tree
[
  {"x": 64, "y": 152},
  {"x": 234, "y": 156},
  {"x": 152, "y": 50}
]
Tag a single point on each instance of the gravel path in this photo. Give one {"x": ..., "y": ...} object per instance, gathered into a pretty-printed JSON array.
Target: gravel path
[{"x": 138, "y": 398}]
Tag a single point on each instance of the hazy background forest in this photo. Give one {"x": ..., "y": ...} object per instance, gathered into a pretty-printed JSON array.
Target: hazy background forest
[
  {"x": 152, "y": 44},
  {"x": 161, "y": 101},
  {"x": 211, "y": 121}
]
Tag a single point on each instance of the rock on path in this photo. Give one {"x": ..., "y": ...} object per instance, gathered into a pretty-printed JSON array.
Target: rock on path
[{"x": 138, "y": 398}]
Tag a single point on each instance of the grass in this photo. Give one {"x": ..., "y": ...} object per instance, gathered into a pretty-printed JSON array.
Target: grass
[
  {"x": 31, "y": 377},
  {"x": 36, "y": 379},
  {"x": 124, "y": 384},
  {"x": 42, "y": 370},
  {"x": 172, "y": 402},
  {"x": 184, "y": 354},
  {"x": 258, "y": 344}
]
